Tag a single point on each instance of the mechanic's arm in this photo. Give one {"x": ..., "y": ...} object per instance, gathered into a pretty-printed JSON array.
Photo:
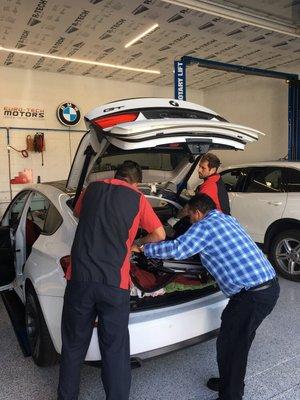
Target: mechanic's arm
[
  {"x": 151, "y": 223},
  {"x": 186, "y": 245},
  {"x": 157, "y": 235}
]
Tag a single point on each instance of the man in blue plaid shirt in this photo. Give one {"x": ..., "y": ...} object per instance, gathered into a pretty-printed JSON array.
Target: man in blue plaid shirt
[{"x": 243, "y": 274}]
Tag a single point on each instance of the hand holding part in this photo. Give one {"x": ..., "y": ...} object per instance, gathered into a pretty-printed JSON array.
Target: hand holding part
[{"x": 135, "y": 248}]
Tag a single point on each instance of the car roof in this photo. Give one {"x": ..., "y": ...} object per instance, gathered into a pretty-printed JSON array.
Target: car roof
[
  {"x": 61, "y": 185},
  {"x": 52, "y": 190},
  {"x": 283, "y": 164}
]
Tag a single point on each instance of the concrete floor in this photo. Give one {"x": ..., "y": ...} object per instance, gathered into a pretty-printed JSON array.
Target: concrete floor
[{"x": 273, "y": 368}]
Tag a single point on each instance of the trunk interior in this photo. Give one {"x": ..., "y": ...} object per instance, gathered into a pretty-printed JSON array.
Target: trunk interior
[{"x": 157, "y": 283}]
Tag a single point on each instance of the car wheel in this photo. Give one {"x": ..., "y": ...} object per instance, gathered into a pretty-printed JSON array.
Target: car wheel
[
  {"x": 41, "y": 346},
  {"x": 285, "y": 254}
]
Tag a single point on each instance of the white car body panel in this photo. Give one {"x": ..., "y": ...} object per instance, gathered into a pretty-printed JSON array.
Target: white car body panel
[
  {"x": 156, "y": 329},
  {"x": 156, "y": 142},
  {"x": 142, "y": 129},
  {"x": 256, "y": 211},
  {"x": 140, "y": 103},
  {"x": 292, "y": 209},
  {"x": 169, "y": 324},
  {"x": 282, "y": 164}
]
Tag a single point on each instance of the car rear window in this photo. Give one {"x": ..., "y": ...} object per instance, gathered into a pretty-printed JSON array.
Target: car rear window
[
  {"x": 160, "y": 113},
  {"x": 164, "y": 158}
]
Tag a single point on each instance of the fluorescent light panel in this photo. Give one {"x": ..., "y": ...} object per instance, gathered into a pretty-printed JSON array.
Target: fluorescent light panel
[
  {"x": 152, "y": 28},
  {"x": 77, "y": 60},
  {"x": 223, "y": 11}
]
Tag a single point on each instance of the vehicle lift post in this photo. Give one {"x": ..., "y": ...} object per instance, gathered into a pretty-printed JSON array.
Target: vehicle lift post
[{"x": 293, "y": 92}]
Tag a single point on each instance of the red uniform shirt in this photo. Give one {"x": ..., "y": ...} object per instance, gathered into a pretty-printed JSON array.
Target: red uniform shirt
[
  {"x": 118, "y": 202},
  {"x": 214, "y": 187}
]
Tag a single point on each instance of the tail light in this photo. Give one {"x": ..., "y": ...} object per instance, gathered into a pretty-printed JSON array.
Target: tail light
[
  {"x": 116, "y": 119},
  {"x": 65, "y": 263}
]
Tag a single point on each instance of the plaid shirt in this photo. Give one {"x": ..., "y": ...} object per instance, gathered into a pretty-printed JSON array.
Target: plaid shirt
[{"x": 226, "y": 251}]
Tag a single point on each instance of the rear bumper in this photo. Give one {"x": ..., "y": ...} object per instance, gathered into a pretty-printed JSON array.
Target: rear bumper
[
  {"x": 177, "y": 346},
  {"x": 160, "y": 331}
]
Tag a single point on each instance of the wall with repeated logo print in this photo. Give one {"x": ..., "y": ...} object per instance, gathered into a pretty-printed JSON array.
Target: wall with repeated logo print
[
  {"x": 260, "y": 103},
  {"x": 27, "y": 90}
]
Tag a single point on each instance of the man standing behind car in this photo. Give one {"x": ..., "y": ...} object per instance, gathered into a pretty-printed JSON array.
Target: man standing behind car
[
  {"x": 111, "y": 211},
  {"x": 213, "y": 185},
  {"x": 243, "y": 274}
]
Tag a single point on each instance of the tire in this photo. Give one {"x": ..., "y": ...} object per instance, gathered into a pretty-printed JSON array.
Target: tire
[
  {"x": 285, "y": 254},
  {"x": 41, "y": 346}
]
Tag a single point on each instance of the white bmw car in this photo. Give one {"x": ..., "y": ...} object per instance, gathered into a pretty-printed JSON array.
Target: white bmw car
[{"x": 173, "y": 304}]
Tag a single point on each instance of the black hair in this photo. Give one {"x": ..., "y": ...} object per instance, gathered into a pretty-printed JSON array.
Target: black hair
[
  {"x": 202, "y": 202},
  {"x": 212, "y": 160},
  {"x": 129, "y": 171}
]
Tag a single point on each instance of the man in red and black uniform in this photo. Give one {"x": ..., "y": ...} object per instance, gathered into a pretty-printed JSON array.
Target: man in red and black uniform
[
  {"x": 213, "y": 185},
  {"x": 110, "y": 212}
]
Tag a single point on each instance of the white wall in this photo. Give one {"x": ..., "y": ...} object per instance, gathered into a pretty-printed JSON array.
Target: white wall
[
  {"x": 28, "y": 88},
  {"x": 260, "y": 103},
  {"x": 48, "y": 90}
]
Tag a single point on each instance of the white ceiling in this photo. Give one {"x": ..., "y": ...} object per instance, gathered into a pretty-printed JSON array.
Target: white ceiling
[{"x": 99, "y": 29}]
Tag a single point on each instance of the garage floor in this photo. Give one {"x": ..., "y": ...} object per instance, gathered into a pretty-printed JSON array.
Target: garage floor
[{"x": 273, "y": 369}]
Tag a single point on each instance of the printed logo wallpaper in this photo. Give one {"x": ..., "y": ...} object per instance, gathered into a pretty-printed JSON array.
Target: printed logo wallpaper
[{"x": 99, "y": 29}]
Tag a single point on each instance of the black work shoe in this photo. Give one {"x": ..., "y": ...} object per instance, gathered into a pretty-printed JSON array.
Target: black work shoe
[{"x": 213, "y": 384}]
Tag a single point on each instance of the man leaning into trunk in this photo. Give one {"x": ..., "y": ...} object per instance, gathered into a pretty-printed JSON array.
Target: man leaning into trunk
[{"x": 242, "y": 272}]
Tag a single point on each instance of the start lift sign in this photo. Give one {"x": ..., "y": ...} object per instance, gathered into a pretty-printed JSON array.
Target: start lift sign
[{"x": 180, "y": 83}]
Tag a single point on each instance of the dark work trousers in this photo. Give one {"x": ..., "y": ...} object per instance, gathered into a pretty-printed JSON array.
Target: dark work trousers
[
  {"x": 243, "y": 314},
  {"x": 84, "y": 301}
]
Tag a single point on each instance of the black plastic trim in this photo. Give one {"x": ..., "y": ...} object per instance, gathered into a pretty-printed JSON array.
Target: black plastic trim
[{"x": 16, "y": 312}]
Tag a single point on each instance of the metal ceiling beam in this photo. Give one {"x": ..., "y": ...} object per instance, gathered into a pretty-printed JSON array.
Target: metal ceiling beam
[
  {"x": 244, "y": 17},
  {"x": 293, "y": 96},
  {"x": 239, "y": 69}
]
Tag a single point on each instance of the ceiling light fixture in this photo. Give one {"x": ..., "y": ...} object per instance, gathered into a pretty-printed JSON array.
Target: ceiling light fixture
[
  {"x": 77, "y": 60},
  {"x": 151, "y": 29},
  {"x": 223, "y": 11}
]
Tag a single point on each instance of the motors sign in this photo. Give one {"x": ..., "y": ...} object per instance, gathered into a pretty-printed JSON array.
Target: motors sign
[
  {"x": 180, "y": 80},
  {"x": 23, "y": 112}
]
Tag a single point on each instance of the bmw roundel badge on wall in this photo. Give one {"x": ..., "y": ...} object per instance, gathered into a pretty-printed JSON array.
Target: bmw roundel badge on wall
[{"x": 68, "y": 114}]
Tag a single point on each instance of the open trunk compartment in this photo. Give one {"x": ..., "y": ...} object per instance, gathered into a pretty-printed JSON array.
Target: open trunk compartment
[{"x": 157, "y": 283}]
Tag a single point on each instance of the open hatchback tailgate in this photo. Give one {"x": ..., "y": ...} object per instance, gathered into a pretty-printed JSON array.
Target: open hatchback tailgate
[{"x": 130, "y": 125}]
